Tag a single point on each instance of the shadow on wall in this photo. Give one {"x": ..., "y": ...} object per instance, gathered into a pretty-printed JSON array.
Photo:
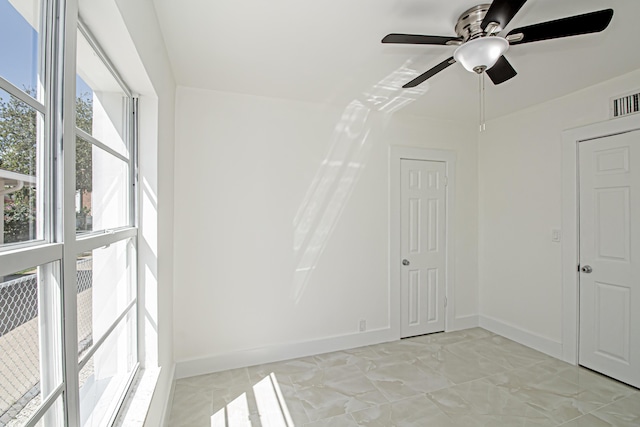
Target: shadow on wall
[{"x": 335, "y": 180}]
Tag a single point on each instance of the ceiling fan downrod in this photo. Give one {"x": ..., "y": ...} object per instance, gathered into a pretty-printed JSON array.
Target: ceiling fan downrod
[{"x": 482, "y": 119}]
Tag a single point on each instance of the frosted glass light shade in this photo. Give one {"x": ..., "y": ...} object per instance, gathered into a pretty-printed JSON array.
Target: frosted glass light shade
[{"x": 483, "y": 52}]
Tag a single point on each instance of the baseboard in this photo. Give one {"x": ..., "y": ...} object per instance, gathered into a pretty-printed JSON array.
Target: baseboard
[
  {"x": 276, "y": 353},
  {"x": 524, "y": 337},
  {"x": 465, "y": 322},
  {"x": 166, "y": 415}
]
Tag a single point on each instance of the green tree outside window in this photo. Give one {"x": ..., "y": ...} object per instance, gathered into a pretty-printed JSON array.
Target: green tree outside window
[{"x": 18, "y": 139}]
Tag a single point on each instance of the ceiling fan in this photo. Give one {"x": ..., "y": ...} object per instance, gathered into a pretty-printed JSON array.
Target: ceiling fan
[{"x": 481, "y": 49}]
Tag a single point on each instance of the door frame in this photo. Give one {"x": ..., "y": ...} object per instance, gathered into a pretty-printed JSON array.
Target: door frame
[
  {"x": 396, "y": 155},
  {"x": 570, "y": 223}
]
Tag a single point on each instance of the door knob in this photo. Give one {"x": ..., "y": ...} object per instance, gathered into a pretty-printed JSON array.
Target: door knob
[
  {"x": 405, "y": 262},
  {"x": 586, "y": 269}
]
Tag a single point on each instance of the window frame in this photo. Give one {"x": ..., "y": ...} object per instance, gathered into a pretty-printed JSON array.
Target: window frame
[{"x": 95, "y": 239}]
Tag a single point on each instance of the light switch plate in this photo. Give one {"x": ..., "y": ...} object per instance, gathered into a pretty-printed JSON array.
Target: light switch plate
[{"x": 556, "y": 235}]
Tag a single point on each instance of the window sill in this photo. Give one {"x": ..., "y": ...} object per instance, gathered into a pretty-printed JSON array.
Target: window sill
[{"x": 136, "y": 405}]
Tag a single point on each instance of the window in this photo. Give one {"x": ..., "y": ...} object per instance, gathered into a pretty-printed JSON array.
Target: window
[
  {"x": 68, "y": 277},
  {"x": 30, "y": 342},
  {"x": 102, "y": 143},
  {"x": 106, "y": 306},
  {"x": 21, "y": 122},
  {"x": 20, "y": 132}
]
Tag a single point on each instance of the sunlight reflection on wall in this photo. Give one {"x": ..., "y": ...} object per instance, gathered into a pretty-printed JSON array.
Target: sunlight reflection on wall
[{"x": 335, "y": 180}]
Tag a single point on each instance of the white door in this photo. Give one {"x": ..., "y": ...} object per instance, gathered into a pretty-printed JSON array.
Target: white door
[
  {"x": 610, "y": 256},
  {"x": 423, "y": 247}
]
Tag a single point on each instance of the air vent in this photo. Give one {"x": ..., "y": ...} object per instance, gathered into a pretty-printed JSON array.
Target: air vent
[{"x": 625, "y": 105}]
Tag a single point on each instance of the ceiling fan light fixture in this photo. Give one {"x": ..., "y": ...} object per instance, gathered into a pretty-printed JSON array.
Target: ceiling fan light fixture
[{"x": 481, "y": 54}]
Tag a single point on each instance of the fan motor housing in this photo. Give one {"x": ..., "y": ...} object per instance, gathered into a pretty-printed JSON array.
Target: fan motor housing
[{"x": 469, "y": 23}]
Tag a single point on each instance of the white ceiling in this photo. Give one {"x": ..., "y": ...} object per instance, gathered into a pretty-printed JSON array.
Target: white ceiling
[{"x": 329, "y": 51}]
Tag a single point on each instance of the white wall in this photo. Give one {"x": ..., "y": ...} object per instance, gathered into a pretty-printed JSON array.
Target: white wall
[
  {"x": 520, "y": 204},
  {"x": 254, "y": 178}
]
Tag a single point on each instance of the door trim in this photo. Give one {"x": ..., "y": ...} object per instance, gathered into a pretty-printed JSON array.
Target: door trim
[
  {"x": 396, "y": 154},
  {"x": 570, "y": 233}
]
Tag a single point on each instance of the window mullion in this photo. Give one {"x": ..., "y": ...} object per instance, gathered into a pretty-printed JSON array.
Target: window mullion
[
  {"x": 66, "y": 221},
  {"x": 89, "y": 138},
  {"x": 103, "y": 57},
  {"x": 103, "y": 338},
  {"x": 133, "y": 149},
  {"x": 90, "y": 242},
  {"x": 28, "y": 256},
  {"x": 21, "y": 95},
  {"x": 47, "y": 403}
]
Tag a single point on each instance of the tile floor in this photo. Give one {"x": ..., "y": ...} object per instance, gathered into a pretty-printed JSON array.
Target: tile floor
[{"x": 466, "y": 378}]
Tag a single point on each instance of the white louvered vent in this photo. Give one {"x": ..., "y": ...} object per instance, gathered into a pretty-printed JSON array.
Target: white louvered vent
[{"x": 625, "y": 105}]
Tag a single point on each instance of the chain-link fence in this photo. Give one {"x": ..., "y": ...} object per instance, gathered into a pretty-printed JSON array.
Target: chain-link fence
[
  {"x": 85, "y": 304},
  {"x": 19, "y": 347},
  {"x": 19, "y": 341}
]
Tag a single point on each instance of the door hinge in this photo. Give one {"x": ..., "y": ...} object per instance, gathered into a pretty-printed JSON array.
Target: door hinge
[
  {"x": 446, "y": 181},
  {"x": 445, "y": 301}
]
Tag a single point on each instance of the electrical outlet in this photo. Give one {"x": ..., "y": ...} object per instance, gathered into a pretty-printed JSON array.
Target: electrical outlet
[{"x": 363, "y": 325}]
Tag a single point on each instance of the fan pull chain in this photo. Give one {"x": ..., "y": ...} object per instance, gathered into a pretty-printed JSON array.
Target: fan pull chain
[{"x": 483, "y": 125}]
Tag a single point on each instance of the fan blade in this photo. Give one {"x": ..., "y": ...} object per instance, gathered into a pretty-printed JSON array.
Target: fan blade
[
  {"x": 501, "y": 72},
  {"x": 419, "y": 39},
  {"x": 432, "y": 72},
  {"x": 502, "y": 12},
  {"x": 593, "y": 22}
]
